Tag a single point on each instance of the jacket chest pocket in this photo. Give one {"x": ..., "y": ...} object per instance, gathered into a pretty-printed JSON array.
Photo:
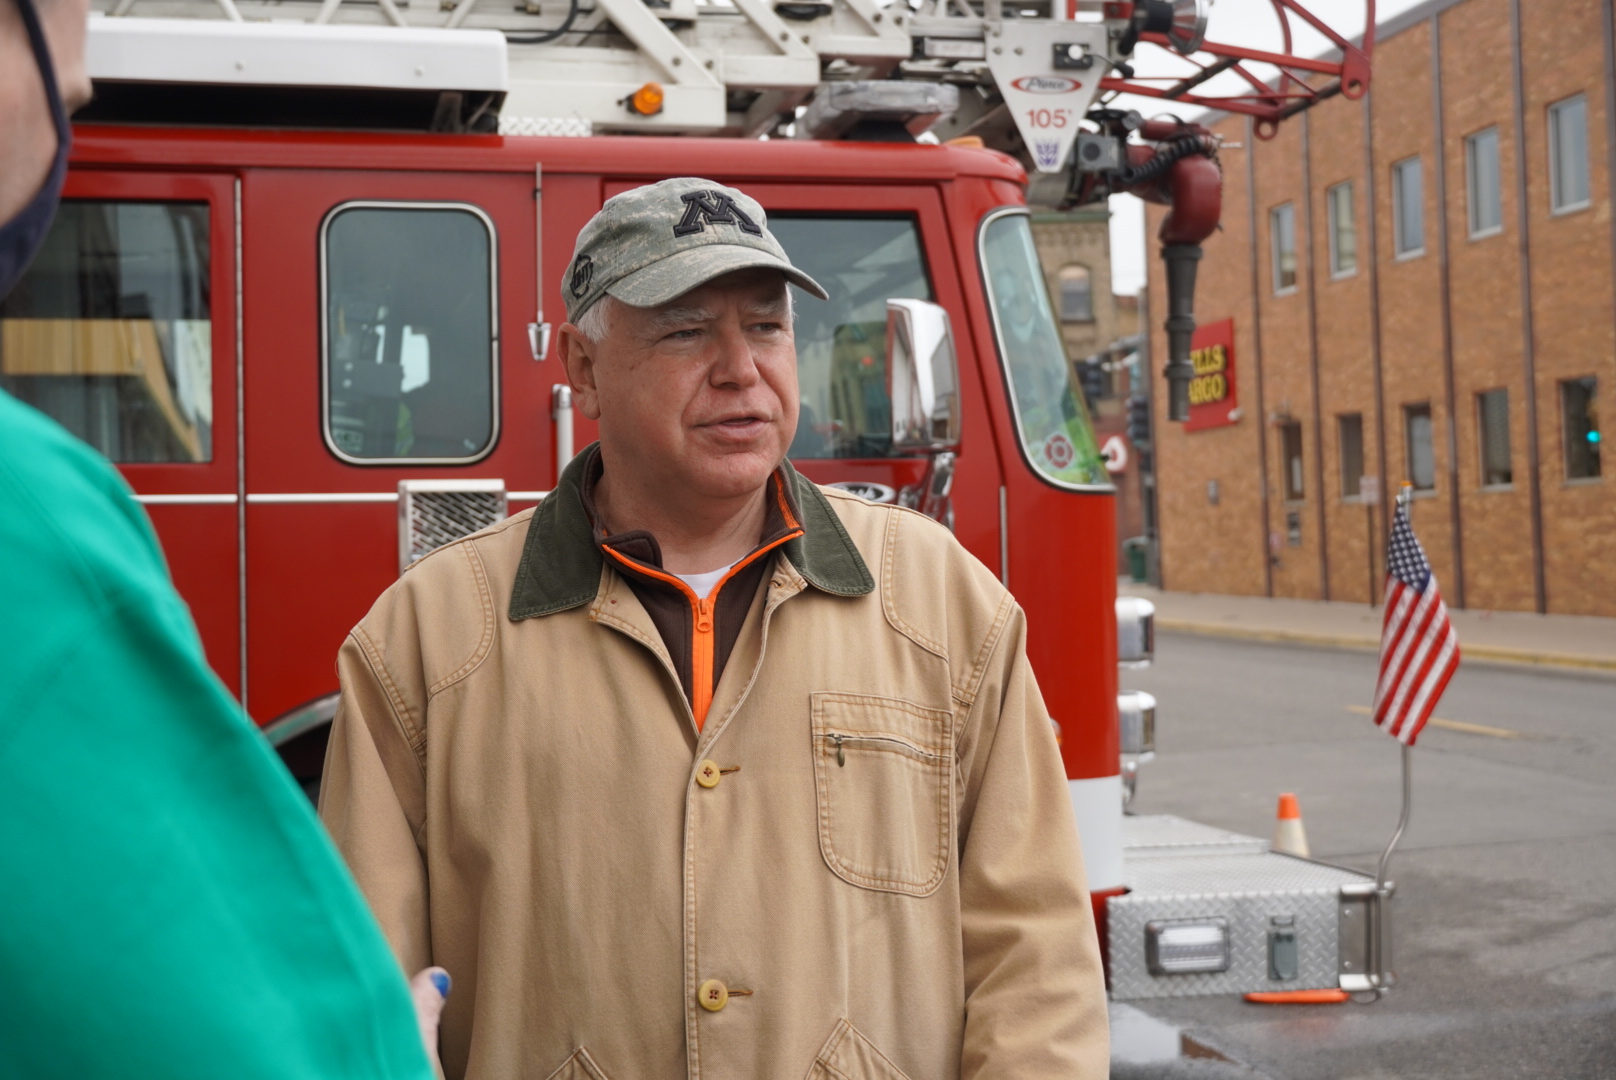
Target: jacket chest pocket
[{"x": 883, "y": 775}]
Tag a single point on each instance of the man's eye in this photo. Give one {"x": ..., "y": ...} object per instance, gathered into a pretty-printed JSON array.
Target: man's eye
[{"x": 684, "y": 335}]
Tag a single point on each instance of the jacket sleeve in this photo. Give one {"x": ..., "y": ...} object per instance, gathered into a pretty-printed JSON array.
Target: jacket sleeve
[
  {"x": 1035, "y": 993},
  {"x": 373, "y": 796}
]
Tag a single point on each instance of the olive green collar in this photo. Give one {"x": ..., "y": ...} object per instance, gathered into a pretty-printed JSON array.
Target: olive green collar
[{"x": 561, "y": 563}]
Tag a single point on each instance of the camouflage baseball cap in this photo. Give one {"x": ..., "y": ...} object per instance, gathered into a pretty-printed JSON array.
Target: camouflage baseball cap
[{"x": 655, "y": 243}]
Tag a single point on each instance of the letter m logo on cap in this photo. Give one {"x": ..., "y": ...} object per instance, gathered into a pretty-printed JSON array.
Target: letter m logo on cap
[{"x": 703, "y": 208}]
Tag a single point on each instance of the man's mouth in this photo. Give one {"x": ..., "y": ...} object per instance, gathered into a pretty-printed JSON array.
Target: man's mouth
[{"x": 738, "y": 425}]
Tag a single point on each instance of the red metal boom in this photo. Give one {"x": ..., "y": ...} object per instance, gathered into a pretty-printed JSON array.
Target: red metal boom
[{"x": 1302, "y": 81}]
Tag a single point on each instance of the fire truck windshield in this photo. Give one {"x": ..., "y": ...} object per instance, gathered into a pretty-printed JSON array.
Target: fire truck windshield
[
  {"x": 1056, "y": 434},
  {"x": 842, "y": 342}
]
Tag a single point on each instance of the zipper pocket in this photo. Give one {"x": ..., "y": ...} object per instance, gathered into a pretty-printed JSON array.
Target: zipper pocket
[{"x": 841, "y": 739}]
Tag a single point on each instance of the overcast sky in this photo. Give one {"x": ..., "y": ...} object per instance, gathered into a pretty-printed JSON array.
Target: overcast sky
[{"x": 1250, "y": 23}]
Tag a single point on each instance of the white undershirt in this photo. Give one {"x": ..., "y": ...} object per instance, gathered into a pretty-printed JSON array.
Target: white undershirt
[{"x": 702, "y": 584}]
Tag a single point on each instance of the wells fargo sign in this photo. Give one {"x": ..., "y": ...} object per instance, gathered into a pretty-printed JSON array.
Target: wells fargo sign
[{"x": 1212, "y": 391}]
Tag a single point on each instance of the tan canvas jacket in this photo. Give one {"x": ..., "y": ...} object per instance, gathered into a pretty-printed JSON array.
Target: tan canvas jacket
[{"x": 864, "y": 866}]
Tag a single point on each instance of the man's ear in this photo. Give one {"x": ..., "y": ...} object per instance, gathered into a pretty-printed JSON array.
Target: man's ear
[{"x": 578, "y": 360}]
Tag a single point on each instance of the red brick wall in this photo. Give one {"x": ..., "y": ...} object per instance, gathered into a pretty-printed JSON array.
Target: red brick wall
[
  {"x": 1572, "y": 305},
  {"x": 1486, "y": 289},
  {"x": 1222, "y": 548},
  {"x": 1207, "y": 547}
]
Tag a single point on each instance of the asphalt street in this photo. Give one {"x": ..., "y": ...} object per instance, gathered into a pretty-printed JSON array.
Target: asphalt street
[{"x": 1505, "y": 934}]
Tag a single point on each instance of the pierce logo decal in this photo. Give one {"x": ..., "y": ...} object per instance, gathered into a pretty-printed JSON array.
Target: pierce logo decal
[{"x": 1046, "y": 84}]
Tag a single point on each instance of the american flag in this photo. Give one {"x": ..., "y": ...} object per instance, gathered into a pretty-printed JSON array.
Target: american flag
[{"x": 1419, "y": 651}]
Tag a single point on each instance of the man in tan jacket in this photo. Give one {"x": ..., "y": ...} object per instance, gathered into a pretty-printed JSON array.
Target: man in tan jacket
[{"x": 700, "y": 770}]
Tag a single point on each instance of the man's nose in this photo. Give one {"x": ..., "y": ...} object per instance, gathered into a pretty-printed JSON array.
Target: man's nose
[{"x": 735, "y": 364}]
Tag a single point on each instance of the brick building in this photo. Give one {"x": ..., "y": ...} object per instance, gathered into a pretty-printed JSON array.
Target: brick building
[
  {"x": 1422, "y": 285},
  {"x": 1075, "y": 249}
]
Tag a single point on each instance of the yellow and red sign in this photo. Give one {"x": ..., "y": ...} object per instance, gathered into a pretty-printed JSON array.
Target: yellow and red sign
[{"x": 1212, "y": 391}]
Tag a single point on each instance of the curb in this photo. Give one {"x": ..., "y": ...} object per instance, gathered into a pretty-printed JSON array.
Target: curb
[{"x": 1492, "y": 654}]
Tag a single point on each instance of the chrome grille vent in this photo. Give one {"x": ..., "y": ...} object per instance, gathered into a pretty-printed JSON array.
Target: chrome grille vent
[{"x": 431, "y": 513}]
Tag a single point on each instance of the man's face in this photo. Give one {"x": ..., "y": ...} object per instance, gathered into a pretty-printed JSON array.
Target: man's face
[
  {"x": 697, "y": 397},
  {"x": 27, "y": 133}
]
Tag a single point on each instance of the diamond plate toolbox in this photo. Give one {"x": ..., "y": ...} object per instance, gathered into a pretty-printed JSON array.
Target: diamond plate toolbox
[{"x": 1281, "y": 914}]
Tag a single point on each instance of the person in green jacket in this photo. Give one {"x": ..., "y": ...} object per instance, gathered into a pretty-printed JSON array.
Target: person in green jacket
[{"x": 169, "y": 905}]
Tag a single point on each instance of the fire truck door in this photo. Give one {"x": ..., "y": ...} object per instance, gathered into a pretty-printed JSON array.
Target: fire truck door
[
  {"x": 386, "y": 341},
  {"x": 124, "y": 331}
]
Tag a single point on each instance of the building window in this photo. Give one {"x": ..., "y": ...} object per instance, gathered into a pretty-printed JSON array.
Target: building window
[
  {"x": 1076, "y": 294},
  {"x": 1408, "y": 208},
  {"x": 1349, "y": 429},
  {"x": 1579, "y": 409},
  {"x": 1290, "y": 442},
  {"x": 1482, "y": 188},
  {"x": 1421, "y": 451},
  {"x": 1492, "y": 410},
  {"x": 1282, "y": 228},
  {"x": 409, "y": 364},
  {"x": 1343, "y": 231},
  {"x": 1568, "y": 154}
]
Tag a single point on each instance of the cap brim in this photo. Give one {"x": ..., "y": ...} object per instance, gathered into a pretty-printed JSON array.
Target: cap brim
[{"x": 670, "y": 278}]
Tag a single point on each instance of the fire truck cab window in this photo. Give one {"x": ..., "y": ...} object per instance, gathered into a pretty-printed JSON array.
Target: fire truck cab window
[
  {"x": 408, "y": 334},
  {"x": 842, "y": 342},
  {"x": 109, "y": 332},
  {"x": 1054, "y": 425}
]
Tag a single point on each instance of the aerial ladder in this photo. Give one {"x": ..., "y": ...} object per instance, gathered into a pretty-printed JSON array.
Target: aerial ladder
[{"x": 1058, "y": 84}]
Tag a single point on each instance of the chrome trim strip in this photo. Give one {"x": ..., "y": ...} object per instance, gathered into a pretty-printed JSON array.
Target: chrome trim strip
[
  {"x": 543, "y": 337},
  {"x": 290, "y": 498},
  {"x": 493, "y": 326},
  {"x": 226, "y": 499},
  {"x": 1004, "y": 536},
  {"x": 240, "y": 497},
  {"x": 1004, "y": 368},
  {"x": 283, "y": 497}
]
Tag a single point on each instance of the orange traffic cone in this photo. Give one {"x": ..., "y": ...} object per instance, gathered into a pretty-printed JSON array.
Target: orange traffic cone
[{"x": 1289, "y": 836}]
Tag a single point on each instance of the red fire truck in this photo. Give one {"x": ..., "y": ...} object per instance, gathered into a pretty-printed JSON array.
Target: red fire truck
[{"x": 316, "y": 352}]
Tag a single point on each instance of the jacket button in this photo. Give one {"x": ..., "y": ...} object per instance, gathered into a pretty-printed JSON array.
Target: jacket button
[
  {"x": 713, "y": 995},
  {"x": 708, "y": 775}
]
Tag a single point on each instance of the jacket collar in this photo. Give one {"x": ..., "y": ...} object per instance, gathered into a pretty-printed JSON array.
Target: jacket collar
[{"x": 561, "y": 560}]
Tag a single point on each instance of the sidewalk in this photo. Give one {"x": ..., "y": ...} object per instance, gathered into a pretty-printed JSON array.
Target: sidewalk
[{"x": 1509, "y": 637}]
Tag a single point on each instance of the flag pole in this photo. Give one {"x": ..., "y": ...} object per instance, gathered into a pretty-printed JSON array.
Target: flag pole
[
  {"x": 1402, "y": 819},
  {"x": 1377, "y": 961}
]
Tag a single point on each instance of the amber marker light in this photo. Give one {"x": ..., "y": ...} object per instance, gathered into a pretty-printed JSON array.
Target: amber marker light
[{"x": 647, "y": 100}]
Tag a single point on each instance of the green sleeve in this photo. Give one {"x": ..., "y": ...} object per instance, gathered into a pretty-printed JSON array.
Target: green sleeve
[{"x": 171, "y": 906}]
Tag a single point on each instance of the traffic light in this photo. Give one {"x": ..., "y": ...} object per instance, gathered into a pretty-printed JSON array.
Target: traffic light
[
  {"x": 1139, "y": 420},
  {"x": 1092, "y": 378}
]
